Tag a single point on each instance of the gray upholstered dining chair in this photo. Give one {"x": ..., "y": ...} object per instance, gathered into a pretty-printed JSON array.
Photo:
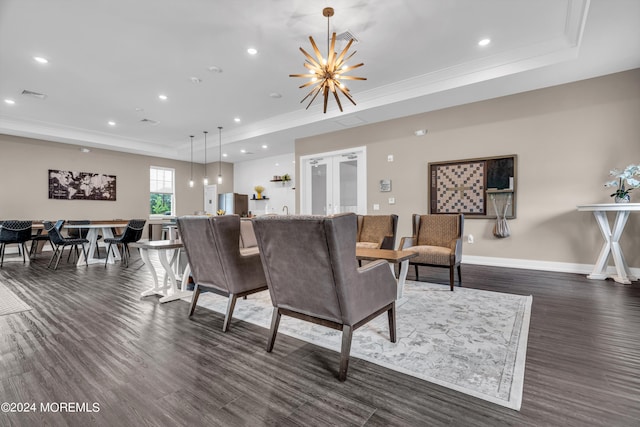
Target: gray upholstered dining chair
[
  {"x": 217, "y": 264},
  {"x": 312, "y": 274},
  {"x": 14, "y": 232},
  {"x": 438, "y": 241}
]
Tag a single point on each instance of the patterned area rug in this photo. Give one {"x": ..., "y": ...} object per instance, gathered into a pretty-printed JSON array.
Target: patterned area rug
[
  {"x": 468, "y": 340},
  {"x": 10, "y": 303}
]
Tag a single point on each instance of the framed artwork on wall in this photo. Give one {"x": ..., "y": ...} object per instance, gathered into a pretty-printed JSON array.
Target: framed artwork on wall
[
  {"x": 71, "y": 185},
  {"x": 474, "y": 187}
]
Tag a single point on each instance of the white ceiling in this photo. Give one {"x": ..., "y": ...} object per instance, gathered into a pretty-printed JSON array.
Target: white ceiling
[{"x": 110, "y": 59}]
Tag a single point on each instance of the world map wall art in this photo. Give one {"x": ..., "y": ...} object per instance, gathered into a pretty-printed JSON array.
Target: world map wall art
[{"x": 71, "y": 185}]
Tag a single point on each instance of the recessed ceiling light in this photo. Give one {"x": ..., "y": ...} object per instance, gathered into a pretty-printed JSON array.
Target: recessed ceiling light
[
  {"x": 420, "y": 132},
  {"x": 85, "y": 150},
  {"x": 277, "y": 164},
  {"x": 9, "y": 101},
  {"x": 237, "y": 119},
  {"x": 275, "y": 95},
  {"x": 484, "y": 42},
  {"x": 252, "y": 51},
  {"x": 163, "y": 97},
  {"x": 224, "y": 155},
  {"x": 195, "y": 80},
  {"x": 41, "y": 60},
  {"x": 265, "y": 146},
  {"x": 111, "y": 123},
  {"x": 215, "y": 69},
  {"x": 243, "y": 151}
]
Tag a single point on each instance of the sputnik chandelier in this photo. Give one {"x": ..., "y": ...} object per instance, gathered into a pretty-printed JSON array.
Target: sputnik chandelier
[{"x": 326, "y": 74}]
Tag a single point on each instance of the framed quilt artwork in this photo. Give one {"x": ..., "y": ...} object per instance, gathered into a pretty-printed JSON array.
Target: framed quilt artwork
[{"x": 474, "y": 187}]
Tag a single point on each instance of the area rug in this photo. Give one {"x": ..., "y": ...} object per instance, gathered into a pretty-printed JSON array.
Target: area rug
[
  {"x": 10, "y": 303},
  {"x": 468, "y": 340}
]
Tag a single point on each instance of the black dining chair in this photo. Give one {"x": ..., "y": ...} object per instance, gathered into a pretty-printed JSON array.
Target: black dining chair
[
  {"x": 42, "y": 237},
  {"x": 14, "y": 232},
  {"x": 81, "y": 233},
  {"x": 131, "y": 234},
  {"x": 59, "y": 242}
]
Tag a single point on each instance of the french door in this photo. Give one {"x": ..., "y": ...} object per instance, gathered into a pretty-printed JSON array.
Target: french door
[{"x": 334, "y": 182}]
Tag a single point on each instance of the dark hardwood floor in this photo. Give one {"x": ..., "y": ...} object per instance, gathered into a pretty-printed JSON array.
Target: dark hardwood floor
[{"x": 90, "y": 338}]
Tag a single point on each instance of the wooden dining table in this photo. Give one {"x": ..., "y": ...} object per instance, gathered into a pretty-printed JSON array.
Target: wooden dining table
[{"x": 392, "y": 257}]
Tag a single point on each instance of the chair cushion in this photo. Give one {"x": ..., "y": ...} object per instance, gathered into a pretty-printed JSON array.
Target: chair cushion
[
  {"x": 435, "y": 255},
  {"x": 375, "y": 227},
  {"x": 367, "y": 245}
]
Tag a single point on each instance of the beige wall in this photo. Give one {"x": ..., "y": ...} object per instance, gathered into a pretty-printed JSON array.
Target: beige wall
[
  {"x": 24, "y": 164},
  {"x": 567, "y": 138}
]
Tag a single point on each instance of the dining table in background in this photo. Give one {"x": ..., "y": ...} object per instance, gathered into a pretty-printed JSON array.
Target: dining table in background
[{"x": 95, "y": 229}]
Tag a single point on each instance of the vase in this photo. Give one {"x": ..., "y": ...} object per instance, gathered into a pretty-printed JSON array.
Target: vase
[
  {"x": 259, "y": 195},
  {"x": 623, "y": 199}
]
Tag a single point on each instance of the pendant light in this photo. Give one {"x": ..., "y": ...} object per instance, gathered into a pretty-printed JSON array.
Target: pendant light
[
  {"x": 191, "y": 183},
  {"x": 206, "y": 178},
  {"x": 327, "y": 74},
  {"x": 220, "y": 156}
]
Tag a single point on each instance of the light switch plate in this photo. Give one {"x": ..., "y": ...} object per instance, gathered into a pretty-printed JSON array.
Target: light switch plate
[
  {"x": 376, "y": 207},
  {"x": 392, "y": 200},
  {"x": 390, "y": 158}
]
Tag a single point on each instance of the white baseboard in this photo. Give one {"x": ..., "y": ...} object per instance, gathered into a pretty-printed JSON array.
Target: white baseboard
[{"x": 529, "y": 264}]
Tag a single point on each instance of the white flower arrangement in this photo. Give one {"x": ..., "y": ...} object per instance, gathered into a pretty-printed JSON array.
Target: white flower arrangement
[{"x": 626, "y": 176}]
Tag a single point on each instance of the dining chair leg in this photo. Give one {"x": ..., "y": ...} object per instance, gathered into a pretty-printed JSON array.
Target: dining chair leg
[
  {"x": 451, "y": 277},
  {"x": 194, "y": 300},
  {"x": 59, "y": 256},
  {"x": 416, "y": 266},
  {"x": 275, "y": 322},
  {"x": 347, "y": 333},
  {"x": 2, "y": 245},
  {"x": 392, "y": 322},
  {"x": 24, "y": 252},
  {"x": 459, "y": 276},
  {"x": 53, "y": 256},
  {"x": 84, "y": 252},
  {"x": 231, "y": 304}
]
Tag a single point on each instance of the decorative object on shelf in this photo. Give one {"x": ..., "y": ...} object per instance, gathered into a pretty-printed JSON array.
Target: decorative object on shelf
[
  {"x": 220, "y": 212},
  {"x": 220, "y": 156},
  {"x": 205, "y": 181},
  {"x": 191, "y": 183},
  {"x": 259, "y": 189},
  {"x": 327, "y": 73},
  {"x": 286, "y": 177},
  {"x": 625, "y": 182},
  {"x": 501, "y": 227},
  {"x": 385, "y": 185}
]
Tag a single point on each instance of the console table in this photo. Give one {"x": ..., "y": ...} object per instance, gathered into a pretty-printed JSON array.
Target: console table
[{"x": 611, "y": 239}]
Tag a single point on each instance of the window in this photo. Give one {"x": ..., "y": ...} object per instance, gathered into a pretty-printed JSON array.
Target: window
[{"x": 161, "y": 187}]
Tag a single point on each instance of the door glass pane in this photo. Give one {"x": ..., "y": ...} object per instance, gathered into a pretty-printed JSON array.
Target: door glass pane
[
  {"x": 318, "y": 189},
  {"x": 349, "y": 186}
]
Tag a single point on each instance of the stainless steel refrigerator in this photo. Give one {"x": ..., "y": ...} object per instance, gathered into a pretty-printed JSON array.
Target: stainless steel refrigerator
[{"x": 234, "y": 203}]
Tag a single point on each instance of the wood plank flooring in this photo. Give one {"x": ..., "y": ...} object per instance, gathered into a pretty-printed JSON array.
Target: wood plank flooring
[{"x": 90, "y": 338}]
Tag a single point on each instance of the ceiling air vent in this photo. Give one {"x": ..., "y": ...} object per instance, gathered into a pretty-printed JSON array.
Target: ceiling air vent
[
  {"x": 149, "y": 122},
  {"x": 34, "y": 94},
  {"x": 346, "y": 37}
]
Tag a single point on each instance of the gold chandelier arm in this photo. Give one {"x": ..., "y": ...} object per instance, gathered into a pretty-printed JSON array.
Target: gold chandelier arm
[
  {"x": 331, "y": 55},
  {"x": 316, "y": 90},
  {"x": 326, "y": 97},
  {"x": 310, "y": 58},
  {"x": 346, "y": 93},
  {"x": 309, "y": 83},
  {"x": 352, "y": 78},
  {"x": 302, "y": 75},
  {"x": 335, "y": 94},
  {"x": 344, "y": 52},
  {"x": 316, "y": 50},
  {"x": 349, "y": 68}
]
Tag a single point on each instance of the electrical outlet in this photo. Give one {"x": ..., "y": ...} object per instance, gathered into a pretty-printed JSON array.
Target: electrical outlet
[
  {"x": 376, "y": 207},
  {"x": 470, "y": 238},
  {"x": 392, "y": 200},
  {"x": 390, "y": 158}
]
